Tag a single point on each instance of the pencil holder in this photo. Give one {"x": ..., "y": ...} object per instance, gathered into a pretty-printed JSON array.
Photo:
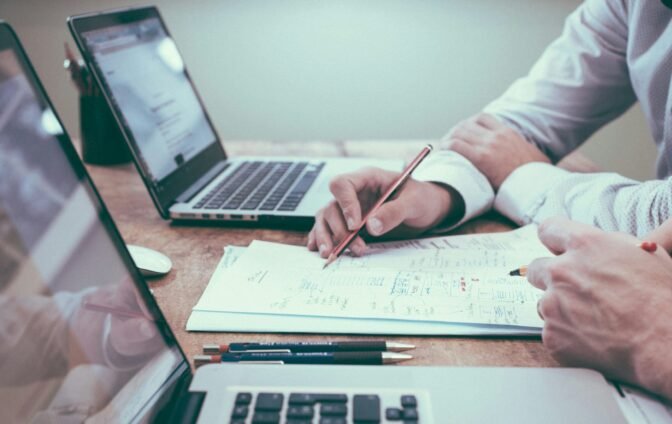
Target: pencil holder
[{"x": 102, "y": 141}]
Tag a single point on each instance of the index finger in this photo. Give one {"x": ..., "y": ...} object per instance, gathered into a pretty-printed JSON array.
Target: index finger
[
  {"x": 488, "y": 121},
  {"x": 560, "y": 234},
  {"x": 346, "y": 188}
]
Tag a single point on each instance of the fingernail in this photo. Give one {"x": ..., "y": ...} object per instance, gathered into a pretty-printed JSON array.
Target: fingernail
[
  {"x": 376, "y": 226},
  {"x": 323, "y": 249},
  {"x": 351, "y": 223}
]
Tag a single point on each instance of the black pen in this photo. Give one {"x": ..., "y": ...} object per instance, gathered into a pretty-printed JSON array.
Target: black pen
[
  {"x": 324, "y": 358},
  {"x": 349, "y": 346}
]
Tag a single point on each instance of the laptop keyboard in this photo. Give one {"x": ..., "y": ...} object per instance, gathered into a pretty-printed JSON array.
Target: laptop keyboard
[
  {"x": 322, "y": 408},
  {"x": 266, "y": 186}
]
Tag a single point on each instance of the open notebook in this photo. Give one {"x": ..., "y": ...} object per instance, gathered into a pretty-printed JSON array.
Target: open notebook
[{"x": 454, "y": 285}]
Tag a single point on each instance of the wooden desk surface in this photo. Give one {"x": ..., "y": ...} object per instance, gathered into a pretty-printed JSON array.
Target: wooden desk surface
[{"x": 195, "y": 251}]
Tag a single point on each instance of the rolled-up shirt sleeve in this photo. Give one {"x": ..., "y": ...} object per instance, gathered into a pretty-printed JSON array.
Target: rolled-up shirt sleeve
[
  {"x": 580, "y": 82},
  {"x": 454, "y": 170}
]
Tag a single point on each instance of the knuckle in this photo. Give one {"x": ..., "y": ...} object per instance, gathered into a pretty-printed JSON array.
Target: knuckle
[{"x": 579, "y": 240}]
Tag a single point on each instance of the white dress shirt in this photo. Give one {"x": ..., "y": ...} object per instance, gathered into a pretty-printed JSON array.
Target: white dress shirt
[{"x": 611, "y": 54}]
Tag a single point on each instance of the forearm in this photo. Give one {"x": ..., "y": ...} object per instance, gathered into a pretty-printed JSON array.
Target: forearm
[
  {"x": 579, "y": 83},
  {"x": 535, "y": 192}
]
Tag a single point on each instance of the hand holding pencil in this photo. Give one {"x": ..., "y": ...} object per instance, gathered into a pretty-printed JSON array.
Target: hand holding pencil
[{"x": 411, "y": 210}]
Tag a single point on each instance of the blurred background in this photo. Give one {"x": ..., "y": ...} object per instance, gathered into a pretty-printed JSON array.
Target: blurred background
[{"x": 341, "y": 69}]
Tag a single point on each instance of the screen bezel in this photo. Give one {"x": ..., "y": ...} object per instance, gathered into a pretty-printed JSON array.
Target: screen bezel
[
  {"x": 167, "y": 190},
  {"x": 9, "y": 40}
]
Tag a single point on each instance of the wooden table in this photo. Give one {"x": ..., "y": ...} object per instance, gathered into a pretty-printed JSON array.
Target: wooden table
[{"x": 195, "y": 251}]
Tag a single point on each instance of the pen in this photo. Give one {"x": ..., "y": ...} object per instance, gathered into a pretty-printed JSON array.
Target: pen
[
  {"x": 116, "y": 311},
  {"x": 647, "y": 246},
  {"x": 403, "y": 177},
  {"x": 349, "y": 346},
  {"x": 313, "y": 358}
]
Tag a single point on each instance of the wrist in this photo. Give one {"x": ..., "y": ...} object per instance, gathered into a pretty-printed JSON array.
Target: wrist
[
  {"x": 451, "y": 205},
  {"x": 653, "y": 361}
]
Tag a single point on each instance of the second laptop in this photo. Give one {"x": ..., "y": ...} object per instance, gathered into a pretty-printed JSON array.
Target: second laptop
[{"x": 175, "y": 147}]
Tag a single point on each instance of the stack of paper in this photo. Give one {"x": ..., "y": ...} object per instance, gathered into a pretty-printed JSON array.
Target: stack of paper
[{"x": 455, "y": 285}]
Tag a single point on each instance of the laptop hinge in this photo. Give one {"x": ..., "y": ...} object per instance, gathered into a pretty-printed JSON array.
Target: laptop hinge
[{"x": 195, "y": 188}]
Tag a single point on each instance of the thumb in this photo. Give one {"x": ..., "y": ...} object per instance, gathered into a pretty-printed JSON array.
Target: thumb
[
  {"x": 662, "y": 235},
  {"x": 388, "y": 217}
]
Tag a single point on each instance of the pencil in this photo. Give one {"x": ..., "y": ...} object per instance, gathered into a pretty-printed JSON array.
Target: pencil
[
  {"x": 519, "y": 272},
  {"x": 647, "y": 246},
  {"x": 403, "y": 177}
]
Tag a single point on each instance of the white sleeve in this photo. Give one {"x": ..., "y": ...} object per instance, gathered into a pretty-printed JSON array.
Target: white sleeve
[
  {"x": 454, "y": 170},
  {"x": 580, "y": 82},
  {"x": 537, "y": 191}
]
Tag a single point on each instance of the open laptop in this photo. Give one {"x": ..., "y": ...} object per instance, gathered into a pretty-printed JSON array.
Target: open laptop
[
  {"x": 174, "y": 144},
  {"x": 83, "y": 340}
]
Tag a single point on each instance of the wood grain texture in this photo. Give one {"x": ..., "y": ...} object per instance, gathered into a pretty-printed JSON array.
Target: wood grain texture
[{"x": 196, "y": 250}]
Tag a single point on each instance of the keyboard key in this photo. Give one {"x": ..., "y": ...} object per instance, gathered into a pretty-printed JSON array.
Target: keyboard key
[
  {"x": 269, "y": 402},
  {"x": 334, "y": 409},
  {"x": 243, "y": 398},
  {"x": 294, "y": 421},
  {"x": 237, "y": 421},
  {"x": 265, "y": 418},
  {"x": 366, "y": 408},
  {"x": 312, "y": 398},
  {"x": 410, "y": 414},
  {"x": 393, "y": 414},
  {"x": 333, "y": 420},
  {"x": 302, "y": 411},
  {"x": 240, "y": 411},
  {"x": 409, "y": 401}
]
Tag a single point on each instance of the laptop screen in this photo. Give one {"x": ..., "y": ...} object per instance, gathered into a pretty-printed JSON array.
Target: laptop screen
[
  {"x": 144, "y": 77},
  {"x": 78, "y": 339}
]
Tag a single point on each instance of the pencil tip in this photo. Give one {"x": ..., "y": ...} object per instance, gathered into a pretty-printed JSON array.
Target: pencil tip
[
  {"x": 330, "y": 259},
  {"x": 514, "y": 273}
]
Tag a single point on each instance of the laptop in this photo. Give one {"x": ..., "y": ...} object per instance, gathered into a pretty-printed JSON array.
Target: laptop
[
  {"x": 83, "y": 340},
  {"x": 176, "y": 149}
]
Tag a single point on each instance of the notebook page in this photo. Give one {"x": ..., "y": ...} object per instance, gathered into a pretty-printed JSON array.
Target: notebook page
[{"x": 462, "y": 283}]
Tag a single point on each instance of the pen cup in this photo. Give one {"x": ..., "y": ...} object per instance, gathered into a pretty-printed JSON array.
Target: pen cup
[{"x": 102, "y": 141}]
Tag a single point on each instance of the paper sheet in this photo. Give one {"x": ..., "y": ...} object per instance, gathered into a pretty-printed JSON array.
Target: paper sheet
[
  {"x": 459, "y": 279},
  {"x": 259, "y": 323}
]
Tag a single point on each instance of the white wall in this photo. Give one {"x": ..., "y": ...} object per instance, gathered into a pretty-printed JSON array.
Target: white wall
[{"x": 334, "y": 69}]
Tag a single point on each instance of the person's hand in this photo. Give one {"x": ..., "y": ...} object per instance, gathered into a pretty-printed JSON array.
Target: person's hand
[
  {"x": 415, "y": 208},
  {"x": 494, "y": 148},
  {"x": 607, "y": 304}
]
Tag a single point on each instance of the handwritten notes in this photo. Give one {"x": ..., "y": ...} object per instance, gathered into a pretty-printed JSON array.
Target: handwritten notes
[{"x": 461, "y": 279}]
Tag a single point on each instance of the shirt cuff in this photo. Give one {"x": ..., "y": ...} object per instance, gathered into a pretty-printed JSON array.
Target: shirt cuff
[
  {"x": 454, "y": 170},
  {"x": 523, "y": 192}
]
